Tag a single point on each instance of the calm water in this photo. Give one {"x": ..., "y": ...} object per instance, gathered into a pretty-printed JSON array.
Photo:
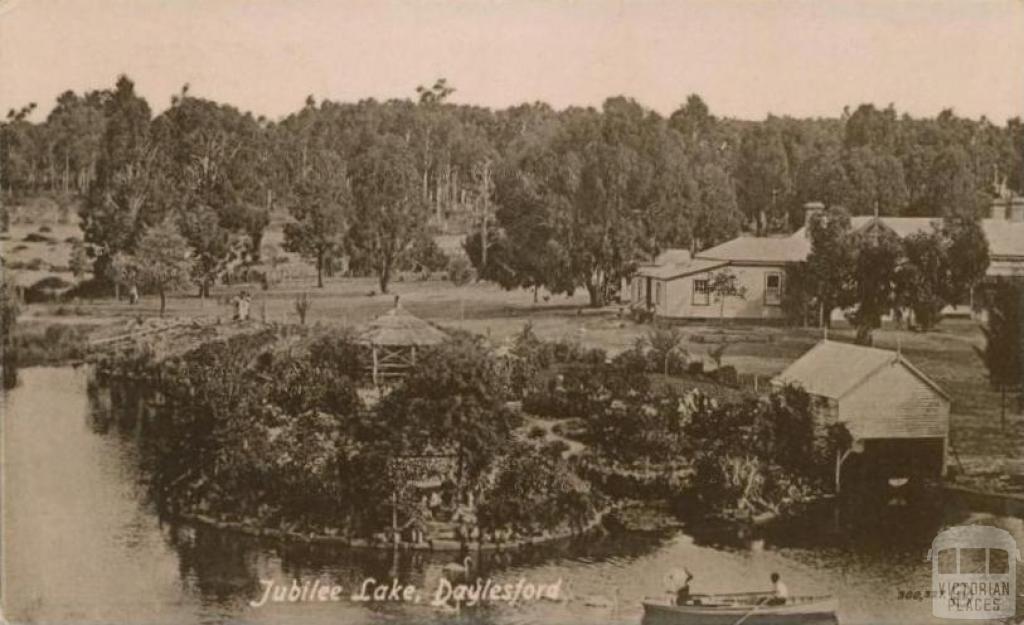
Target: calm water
[{"x": 84, "y": 545}]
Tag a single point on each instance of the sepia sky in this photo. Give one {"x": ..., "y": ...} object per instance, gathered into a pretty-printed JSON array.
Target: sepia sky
[{"x": 745, "y": 58}]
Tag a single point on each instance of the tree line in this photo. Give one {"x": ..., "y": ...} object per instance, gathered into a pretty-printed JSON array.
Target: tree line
[{"x": 563, "y": 200}]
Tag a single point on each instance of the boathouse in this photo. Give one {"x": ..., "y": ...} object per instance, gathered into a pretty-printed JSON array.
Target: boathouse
[{"x": 897, "y": 416}]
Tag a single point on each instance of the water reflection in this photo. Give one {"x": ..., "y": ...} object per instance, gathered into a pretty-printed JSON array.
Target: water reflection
[{"x": 86, "y": 544}]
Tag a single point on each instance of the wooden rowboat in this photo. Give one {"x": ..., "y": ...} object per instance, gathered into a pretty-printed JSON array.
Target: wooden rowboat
[{"x": 742, "y": 609}]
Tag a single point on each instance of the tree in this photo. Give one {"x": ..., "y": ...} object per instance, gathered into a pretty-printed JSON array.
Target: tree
[
  {"x": 821, "y": 177},
  {"x": 162, "y": 261},
  {"x": 762, "y": 176},
  {"x": 322, "y": 211},
  {"x": 1002, "y": 353},
  {"x": 876, "y": 183},
  {"x": 717, "y": 216},
  {"x": 8, "y": 322},
  {"x": 77, "y": 125},
  {"x": 922, "y": 277},
  {"x": 121, "y": 271},
  {"x": 827, "y": 276},
  {"x": 389, "y": 212},
  {"x": 877, "y": 256},
  {"x": 452, "y": 400},
  {"x": 693, "y": 120},
  {"x": 210, "y": 155},
  {"x": 79, "y": 261},
  {"x": 967, "y": 249},
  {"x": 126, "y": 196},
  {"x": 871, "y": 128},
  {"x": 666, "y": 342},
  {"x": 580, "y": 204},
  {"x": 724, "y": 284},
  {"x": 951, "y": 189}
]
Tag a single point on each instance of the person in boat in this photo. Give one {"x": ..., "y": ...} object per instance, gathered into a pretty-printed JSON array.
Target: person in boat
[
  {"x": 780, "y": 594},
  {"x": 683, "y": 592}
]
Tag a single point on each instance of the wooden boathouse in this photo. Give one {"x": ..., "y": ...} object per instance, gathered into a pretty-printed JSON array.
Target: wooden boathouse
[{"x": 897, "y": 416}]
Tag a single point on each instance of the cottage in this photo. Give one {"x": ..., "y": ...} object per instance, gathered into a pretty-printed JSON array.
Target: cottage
[
  {"x": 676, "y": 285},
  {"x": 897, "y": 416},
  {"x": 682, "y": 288}
]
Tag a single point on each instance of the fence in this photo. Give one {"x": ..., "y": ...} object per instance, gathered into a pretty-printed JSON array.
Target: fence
[{"x": 754, "y": 382}]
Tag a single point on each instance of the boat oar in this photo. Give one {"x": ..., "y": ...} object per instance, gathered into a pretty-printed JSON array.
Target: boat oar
[{"x": 751, "y": 611}]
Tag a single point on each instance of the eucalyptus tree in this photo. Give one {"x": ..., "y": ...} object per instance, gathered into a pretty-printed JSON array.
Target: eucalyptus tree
[
  {"x": 763, "y": 180},
  {"x": 210, "y": 153},
  {"x": 128, "y": 193},
  {"x": 162, "y": 262},
  {"x": 389, "y": 210},
  {"x": 322, "y": 209}
]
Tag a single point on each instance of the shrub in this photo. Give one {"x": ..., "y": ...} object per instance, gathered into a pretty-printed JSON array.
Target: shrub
[
  {"x": 632, "y": 360},
  {"x": 426, "y": 256},
  {"x": 537, "y": 432},
  {"x": 726, "y": 375},
  {"x": 460, "y": 271},
  {"x": 695, "y": 368},
  {"x": 35, "y": 237},
  {"x": 339, "y": 351},
  {"x": 45, "y": 229}
]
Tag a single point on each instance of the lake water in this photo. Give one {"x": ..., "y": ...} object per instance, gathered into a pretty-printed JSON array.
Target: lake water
[{"x": 84, "y": 544}]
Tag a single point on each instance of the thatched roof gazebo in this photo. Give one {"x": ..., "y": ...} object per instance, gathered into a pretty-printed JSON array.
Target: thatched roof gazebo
[{"x": 393, "y": 338}]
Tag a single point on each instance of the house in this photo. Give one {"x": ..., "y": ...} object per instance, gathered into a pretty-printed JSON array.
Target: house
[
  {"x": 680, "y": 287},
  {"x": 897, "y": 416},
  {"x": 1005, "y": 233},
  {"x": 676, "y": 285}
]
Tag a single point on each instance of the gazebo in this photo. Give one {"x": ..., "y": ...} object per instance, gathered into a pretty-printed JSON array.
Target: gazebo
[{"x": 393, "y": 338}]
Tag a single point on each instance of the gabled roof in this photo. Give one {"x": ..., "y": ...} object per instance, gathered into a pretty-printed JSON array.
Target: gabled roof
[
  {"x": 673, "y": 256},
  {"x": 901, "y": 226},
  {"x": 671, "y": 272},
  {"x": 832, "y": 369},
  {"x": 397, "y": 327},
  {"x": 789, "y": 249}
]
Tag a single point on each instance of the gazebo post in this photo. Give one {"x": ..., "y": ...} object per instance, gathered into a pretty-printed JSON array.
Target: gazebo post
[
  {"x": 373, "y": 349},
  {"x": 414, "y": 355}
]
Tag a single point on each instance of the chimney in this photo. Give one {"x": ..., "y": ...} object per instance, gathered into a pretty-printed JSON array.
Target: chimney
[{"x": 810, "y": 208}]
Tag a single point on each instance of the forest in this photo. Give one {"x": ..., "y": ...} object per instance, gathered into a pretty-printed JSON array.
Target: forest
[{"x": 563, "y": 199}]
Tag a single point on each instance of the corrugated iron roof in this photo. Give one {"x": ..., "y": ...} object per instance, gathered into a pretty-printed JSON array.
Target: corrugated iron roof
[
  {"x": 761, "y": 250},
  {"x": 673, "y": 256},
  {"x": 671, "y": 272},
  {"x": 398, "y": 327},
  {"x": 832, "y": 369},
  {"x": 906, "y": 226}
]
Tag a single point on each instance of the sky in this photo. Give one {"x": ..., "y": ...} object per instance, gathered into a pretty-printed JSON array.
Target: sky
[{"x": 745, "y": 58}]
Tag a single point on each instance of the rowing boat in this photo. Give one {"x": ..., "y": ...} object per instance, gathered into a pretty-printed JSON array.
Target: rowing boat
[{"x": 745, "y": 608}]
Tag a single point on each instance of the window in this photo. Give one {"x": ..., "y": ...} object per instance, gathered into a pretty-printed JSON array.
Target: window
[
  {"x": 773, "y": 289},
  {"x": 972, "y": 560},
  {"x": 998, "y": 562},
  {"x": 947, "y": 562},
  {"x": 659, "y": 293},
  {"x": 701, "y": 293}
]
